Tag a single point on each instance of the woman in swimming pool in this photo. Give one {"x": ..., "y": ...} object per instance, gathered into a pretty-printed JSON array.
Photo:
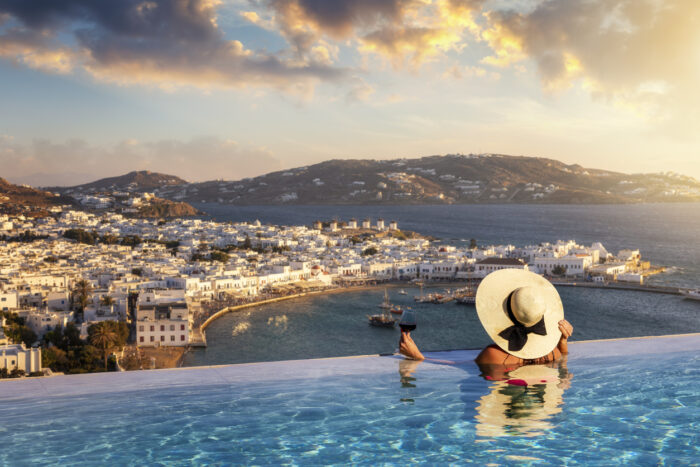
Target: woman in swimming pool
[{"x": 522, "y": 313}]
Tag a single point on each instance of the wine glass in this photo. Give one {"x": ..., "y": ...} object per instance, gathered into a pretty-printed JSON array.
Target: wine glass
[{"x": 407, "y": 323}]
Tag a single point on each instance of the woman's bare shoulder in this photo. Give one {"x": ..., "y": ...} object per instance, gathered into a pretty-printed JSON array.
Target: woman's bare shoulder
[{"x": 491, "y": 355}]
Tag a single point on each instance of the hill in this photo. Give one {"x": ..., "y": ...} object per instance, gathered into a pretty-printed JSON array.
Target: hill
[
  {"x": 21, "y": 199},
  {"x": 138, "y": 181},
  {"x": 461, "y": 179}
]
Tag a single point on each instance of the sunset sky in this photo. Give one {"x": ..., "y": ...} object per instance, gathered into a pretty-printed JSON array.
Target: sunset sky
[{"x": 207, "y": 89}]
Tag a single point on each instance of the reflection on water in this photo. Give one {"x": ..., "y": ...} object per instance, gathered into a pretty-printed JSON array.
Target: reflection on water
[{"x": 521, "y": 401}]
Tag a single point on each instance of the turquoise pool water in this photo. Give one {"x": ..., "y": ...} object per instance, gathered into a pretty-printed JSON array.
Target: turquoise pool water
[{"x": 633, "y": 401}]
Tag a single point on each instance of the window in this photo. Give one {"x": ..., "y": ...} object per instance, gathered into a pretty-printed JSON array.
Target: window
[
  {"x": 153, "y": 328},
  {"x": 182, "y": 337},
  {"x": 152, "y": 338},
  {"x": 162, "y": 327},
  {"x": 172, "y": 327},
  {"x": 162, "y": 338},
  {"x": 141, "y": 328},
  {"x": 141, "y": 339},
  {"x": 182, "y": 327},
  {"x": 172, "y": 338}
]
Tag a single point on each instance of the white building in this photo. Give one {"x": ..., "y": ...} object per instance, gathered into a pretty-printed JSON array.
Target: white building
[
  {"x": 574, "y": 265},
  {"x": 162, "y": 324},
  {"x": 42, "y": 322},
  {"x": 489, "y": 265},
  {"x": 9, "y": 301},
  {"x": 18, "y": 356}
]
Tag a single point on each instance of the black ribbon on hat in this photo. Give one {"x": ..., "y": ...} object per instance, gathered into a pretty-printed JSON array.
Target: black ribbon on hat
[{"x": 516, "y": 335}]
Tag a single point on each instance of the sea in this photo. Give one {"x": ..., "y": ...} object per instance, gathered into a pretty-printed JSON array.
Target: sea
[{"x": 335, "y": 325}]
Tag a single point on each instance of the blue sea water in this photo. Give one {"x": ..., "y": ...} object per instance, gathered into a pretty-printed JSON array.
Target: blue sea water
[
  {"x": 599, "y": 408},
  {"x": 336, "y": 325}
]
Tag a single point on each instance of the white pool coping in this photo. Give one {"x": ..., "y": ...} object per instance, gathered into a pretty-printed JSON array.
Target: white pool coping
[{"x": 268, "y": 372}]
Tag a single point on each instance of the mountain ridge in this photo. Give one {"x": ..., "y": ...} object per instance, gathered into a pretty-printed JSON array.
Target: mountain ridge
[{"x": 446, "y": 179}]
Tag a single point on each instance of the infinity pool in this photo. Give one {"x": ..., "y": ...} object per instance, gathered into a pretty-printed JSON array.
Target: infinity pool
[{"x": 633, "y": 401}]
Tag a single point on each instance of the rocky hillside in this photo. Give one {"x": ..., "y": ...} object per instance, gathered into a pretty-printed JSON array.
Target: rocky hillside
[
  {"x": 164, "y": 208},
  {"x": 442, "y": 179},
  {"x": 484, "y": 178},
  {"x": 20, "y": 199},
  {"x": 137, "y": 181}
]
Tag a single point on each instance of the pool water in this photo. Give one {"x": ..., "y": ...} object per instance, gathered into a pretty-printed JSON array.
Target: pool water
[{"x": 633, "y": 401}]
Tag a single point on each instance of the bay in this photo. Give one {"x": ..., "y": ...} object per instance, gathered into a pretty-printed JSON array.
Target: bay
[{"x": 336, "y": 324}]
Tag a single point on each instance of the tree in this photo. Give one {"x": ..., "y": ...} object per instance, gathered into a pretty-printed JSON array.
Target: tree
[
  {"x": 219, "y": 256},
  {"x": 559, "y": 270},
  {"x": 107, "y": 301},
  {"x": 81, "y": 294},
  {"x": 81, "y": 236},
  {"x": 102, "y": 337},
  {"x": 131, "y": 240},
  {"x": 247, "y": 243},
  {"x": 20, "y": 333},
  {"x": 369, "y": 251},
  {"x": 472, "y": 243}
]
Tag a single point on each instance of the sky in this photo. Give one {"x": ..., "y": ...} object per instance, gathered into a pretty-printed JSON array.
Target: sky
[{"x": 227, "y": 89}]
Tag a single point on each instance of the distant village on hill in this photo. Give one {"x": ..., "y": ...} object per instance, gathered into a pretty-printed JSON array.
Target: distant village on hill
[{"x": 451, "y": 179}]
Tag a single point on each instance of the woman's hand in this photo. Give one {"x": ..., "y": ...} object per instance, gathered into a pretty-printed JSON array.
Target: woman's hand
[
  {"x": 409, "y": 348},
  {"x": 566, "y": 329}
]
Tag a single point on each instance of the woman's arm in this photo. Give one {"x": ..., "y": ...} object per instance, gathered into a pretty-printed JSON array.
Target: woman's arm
[
  {"x": 566, "y": 330},
  {"x": 409, "y": 348}
]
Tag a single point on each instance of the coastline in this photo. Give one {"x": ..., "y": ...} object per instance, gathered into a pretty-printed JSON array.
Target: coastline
[{"x": 401, "y": 284}]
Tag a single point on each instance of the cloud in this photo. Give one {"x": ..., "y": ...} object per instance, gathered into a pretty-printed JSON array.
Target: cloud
[
  {"x": 403, "y": 31},
  {"x": 169, "y": 43},
  {"x": 76, "y": 161},
  {"x": 642, "y": 54},
  {"x": 360, "y": 92}
]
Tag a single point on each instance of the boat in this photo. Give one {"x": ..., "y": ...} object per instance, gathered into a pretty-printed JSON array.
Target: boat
[
  {"x": 385, "y": 305},
  {"x": 423, "y": 298},
  {"x": 466, "y": 300},
  {"x": 691, "y": 294},
  {"x": 402, "y": 292},
  {"x": 397, "y": 310},
  {"x": 466, "y": 296},
  {"x": 382, "y": 320}
]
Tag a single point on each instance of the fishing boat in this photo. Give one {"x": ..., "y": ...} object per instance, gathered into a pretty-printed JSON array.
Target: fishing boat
[{"x": 397, "y": 310}]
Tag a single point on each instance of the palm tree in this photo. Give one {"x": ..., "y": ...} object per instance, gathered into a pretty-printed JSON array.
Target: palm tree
[
  {"x": 107, "y": 301},
  {"x": 81, "y": 294},
  {"x": 103, "y": 338}
]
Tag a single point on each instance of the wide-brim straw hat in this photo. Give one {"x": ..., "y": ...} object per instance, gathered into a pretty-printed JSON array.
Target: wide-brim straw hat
[{"x": 531, "y": 329}]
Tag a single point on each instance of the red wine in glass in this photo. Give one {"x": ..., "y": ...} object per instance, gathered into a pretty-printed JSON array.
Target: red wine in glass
[{"x": 408, "y": 321}]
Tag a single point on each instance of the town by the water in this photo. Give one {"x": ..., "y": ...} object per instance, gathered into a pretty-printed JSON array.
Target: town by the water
[{"x": 95, "y": 291}]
